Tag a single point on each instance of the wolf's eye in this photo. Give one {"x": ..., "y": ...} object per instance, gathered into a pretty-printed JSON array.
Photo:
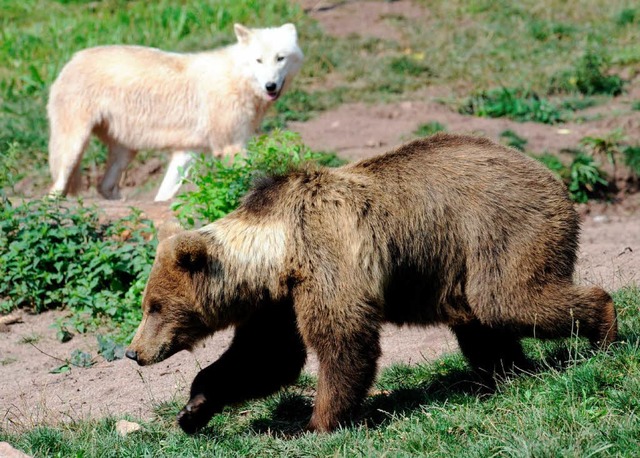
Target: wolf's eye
[
  {"x": 155, "y": 307},
  {"x": 259, "y": 61},
  {"x": 280, "y": 58}
]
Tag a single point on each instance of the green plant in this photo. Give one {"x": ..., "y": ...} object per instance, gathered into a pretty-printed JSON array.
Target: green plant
[
  {"x": 78, "y": 358},
  {"x": 553, "y": 163},
  {"x": 109, "y": 349},
  {"x": 635, "y": 105},
  {"x": 10, "y": 170},
  {"x": 515, "y": 104},
  {"x": 627, "y": 16},
  {"x": 607, "y": 146},
  {"x": 219, "y": 184},
  {"x": 30, "y": 339},
  {"x": 631, "y": 155},
  {"x": 512, "y": 139},
  {"x": 57, "y": 253},
  {"x": 589, "y": 76},
  {"x": 430, "y": 128},
  {"x": 586, "y": 180}
]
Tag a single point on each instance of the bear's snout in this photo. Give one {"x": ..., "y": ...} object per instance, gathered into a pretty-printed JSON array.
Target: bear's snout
[{"x": 132, "y": 354}]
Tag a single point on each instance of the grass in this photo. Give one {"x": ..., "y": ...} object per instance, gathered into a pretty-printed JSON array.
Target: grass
[{"x": 577, "y": 403}]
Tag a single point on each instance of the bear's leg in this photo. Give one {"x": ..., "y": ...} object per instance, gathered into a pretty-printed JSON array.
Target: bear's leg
[
  {"x": 587, "y": 311},
  {"x": 490, "y": 351},
  {"x": 266, "y": 354},
  {"x": 348, "y": 364}
]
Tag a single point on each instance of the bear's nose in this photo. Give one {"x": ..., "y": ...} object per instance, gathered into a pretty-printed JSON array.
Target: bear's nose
[
  {"x": 270, "y": 87},
  {"x": 132, "y": 354}
]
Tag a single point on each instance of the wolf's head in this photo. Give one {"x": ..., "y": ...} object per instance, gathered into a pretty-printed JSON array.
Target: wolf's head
[{"x": 272, "y": 56}]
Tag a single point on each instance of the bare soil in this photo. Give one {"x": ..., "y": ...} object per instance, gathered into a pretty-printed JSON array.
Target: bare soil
[{"x": 610, "y": 247}]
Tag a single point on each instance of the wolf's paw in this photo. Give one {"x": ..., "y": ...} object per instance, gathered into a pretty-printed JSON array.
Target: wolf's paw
[{"x": 195, "y": 415}]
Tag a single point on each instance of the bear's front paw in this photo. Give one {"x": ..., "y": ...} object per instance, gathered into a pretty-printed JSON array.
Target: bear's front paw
[{"x": 195, "y": 415}]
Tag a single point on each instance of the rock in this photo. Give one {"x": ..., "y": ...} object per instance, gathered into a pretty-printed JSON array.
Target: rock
[
  {"x": 7, "y": 451},
  {"x": 124, "y": 427}
]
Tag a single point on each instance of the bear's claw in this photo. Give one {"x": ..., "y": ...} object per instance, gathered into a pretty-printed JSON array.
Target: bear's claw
[{"x": 194, "y": 416}]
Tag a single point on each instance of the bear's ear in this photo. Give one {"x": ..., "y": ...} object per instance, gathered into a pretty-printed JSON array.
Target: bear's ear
[
  {"x": 190, "y": 250},
  {"x": 291, "y": 28},
  {"x": 168, "y": 229},
  {"x": 243, "y": 34}
]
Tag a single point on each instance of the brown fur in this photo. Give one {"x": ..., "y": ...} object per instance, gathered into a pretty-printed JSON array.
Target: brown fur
[{"x": 448, "y": 229}]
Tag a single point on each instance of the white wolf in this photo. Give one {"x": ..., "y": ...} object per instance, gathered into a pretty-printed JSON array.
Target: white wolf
[{"x": 134, "y": 98}]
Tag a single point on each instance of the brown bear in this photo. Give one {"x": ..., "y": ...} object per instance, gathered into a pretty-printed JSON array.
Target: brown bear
[{"x": 449, "y": 229}]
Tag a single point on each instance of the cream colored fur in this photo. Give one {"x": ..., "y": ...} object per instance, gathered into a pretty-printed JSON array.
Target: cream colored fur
[{"x": 135, "y": 98}]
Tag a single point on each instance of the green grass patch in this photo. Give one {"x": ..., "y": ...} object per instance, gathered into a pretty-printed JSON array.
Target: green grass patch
[
  {"x": 590, "y": 75},
  {"x": 512, "y": 139},
  {"x": 429, "y": 128},
  {"x": 576, "y": 403},
  {"x": 513, "y": 104}
]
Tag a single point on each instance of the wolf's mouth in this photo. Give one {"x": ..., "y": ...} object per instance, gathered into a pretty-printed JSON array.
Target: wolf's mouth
[{"x": 274, "y": 95}]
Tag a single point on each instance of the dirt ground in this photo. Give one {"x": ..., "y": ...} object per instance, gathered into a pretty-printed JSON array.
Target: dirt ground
[{"x": 609, "y": 255}]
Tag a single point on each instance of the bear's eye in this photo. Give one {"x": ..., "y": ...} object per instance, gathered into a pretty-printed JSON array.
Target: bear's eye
[{"x": 155, "y": 307}]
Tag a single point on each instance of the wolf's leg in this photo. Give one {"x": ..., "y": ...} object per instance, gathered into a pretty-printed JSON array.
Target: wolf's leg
[
  {"x": 118, "y": 160},
  {"x": 266, "y": 354},
  {"x": 67, "y": 144},
  {"x": 177, "y": 170}
]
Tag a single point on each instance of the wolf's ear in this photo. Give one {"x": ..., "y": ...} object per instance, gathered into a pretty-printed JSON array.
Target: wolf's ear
[
  {"x": 243, "y": 34},
  {"x": 291, "y": 28},
  {"x": 168, "y": 229},
  {"x": 190, "y": 249}
]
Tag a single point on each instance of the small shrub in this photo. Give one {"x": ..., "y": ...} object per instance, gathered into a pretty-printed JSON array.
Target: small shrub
[
  {"x": 589, "y": 76},
  {"x": 430, "y": 128},
  {"x": 220, "y": 183},
  {"x": 56, "y": 253},
  {"x": 627, "y": 16},
  {"x": 635, "y": 105},
  {"x": 607, "y": 146},
  {"x": 514, "y": 104},
  {"x": 512, "y": 139},
  {"x": 631, "y": 155},
  {"x": 584, "y": 178}
]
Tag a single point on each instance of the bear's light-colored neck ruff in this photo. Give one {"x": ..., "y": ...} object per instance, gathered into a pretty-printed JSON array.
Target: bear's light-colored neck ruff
[{"x": 262, "y": 246}]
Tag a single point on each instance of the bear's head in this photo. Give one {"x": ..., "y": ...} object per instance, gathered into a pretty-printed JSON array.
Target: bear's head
[{"x": 173, "y": 316}]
